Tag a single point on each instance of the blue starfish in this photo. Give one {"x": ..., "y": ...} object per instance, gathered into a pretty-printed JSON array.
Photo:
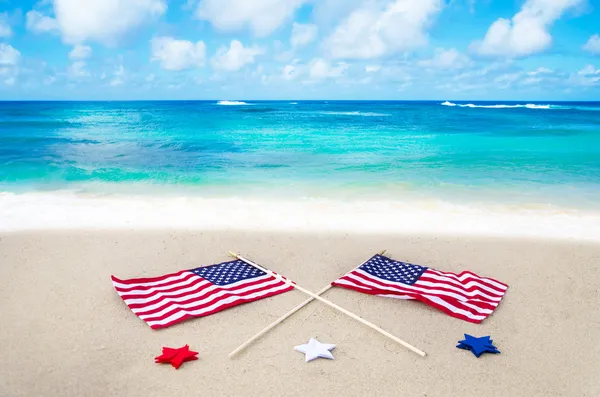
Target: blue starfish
[{"x": 477, "y": 346}]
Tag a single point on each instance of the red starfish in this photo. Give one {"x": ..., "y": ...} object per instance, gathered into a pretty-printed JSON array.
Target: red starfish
[{"x": 176, "y": 356}]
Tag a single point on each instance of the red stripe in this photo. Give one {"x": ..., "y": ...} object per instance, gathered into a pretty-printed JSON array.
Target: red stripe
[
  {"x": 148, "y": 288},
  {"x": 369, "y": 290},
  {"x": 422, "y": 299},
  {"x": 450, "y": 312},
  {"x": 453, "y": 302},
  {"x": 399, "y": 287},
  {"x": 242, "y": 300},
  {"x": 227, "y": 294},
  {"x": 158, "y": 297},
  {"x": 439, "y": 285},
  {"x": 146, "y": 280},
  {"x": 471, "y": 274},
  {"x": 430, "y": 276},
  {"x": 417, "y": 295},
  {"x": 205, "y": 305}
]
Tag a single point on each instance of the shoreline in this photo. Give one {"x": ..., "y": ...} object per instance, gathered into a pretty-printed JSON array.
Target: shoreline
[
  {"x": 71, "y": 211},
  {"x": 60, "y": 303}
]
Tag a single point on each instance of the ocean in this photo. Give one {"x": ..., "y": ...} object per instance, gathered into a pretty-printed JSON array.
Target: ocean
[{"x": 237, "y": 157}]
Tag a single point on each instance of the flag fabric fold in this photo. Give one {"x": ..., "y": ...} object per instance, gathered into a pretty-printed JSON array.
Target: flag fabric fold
[
  {"x": 465, "y": 295},
  {"x": 166, "y": 300}
]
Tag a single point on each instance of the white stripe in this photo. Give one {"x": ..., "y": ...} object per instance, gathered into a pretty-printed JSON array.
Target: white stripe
[
  {"x": 471, "y": 294},
  {"x": 473, "y": 283},
  {"x": 407, "y": 297},
  {"x": 210, "y": 297},
  {"x": 416, "y": 288},
  {"x": 151, "y": 291},
  {"x": 200, "y": 282},
  {"x": 480, "y": 309},
  {"x": 346, "y": 282},
  {"x": 472, "y": 275},
  {"x": 222, "y": 302},
  {"x": 394, "y": 296},
  {"x": 152, "y": 283},
  {"x": 453, "y": 309},
  {"x": 159, "y": 295},
  {"x": 420, "y": 291}
]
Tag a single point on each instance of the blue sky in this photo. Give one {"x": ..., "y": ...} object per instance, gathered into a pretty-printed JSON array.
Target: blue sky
[{"x": 300, "y": 49}]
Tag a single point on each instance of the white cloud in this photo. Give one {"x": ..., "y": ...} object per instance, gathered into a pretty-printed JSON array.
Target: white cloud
[
  {"x": 9, "y": 80},
  {"x": 303, "y": 34},
  {"x": 80, "y": 52},
  {"x": 380, "y": 28},
  {"x": 506, "y": 79},
  {"x": 540, "y": 71},
  {"x": 9, "y": 56},
  {"x": 261, "y": 16},
  {"x": 48, "y": 80},
  {"x": 326, "y": 13},
  {"x": 319, "y": 68},
  {"x": 235, "y": 57},
  {"x": 593, "y": 45},
  {"x": 5, "y": 30},
  {"x": 290, "y": 72},
  {"x": 527, "y": 32},
  {"x": 78, "y": 70},
  {"x": 588, "y": 76},
  {"x": 37, "y": 22},
  {"x": 178, "y": 54},
  {"x": 372, "y": 68},
  {"x": 471, "y": 4},
  {"x": 447, "y": 59},
  {"x": 589, "y": 70},
  {"x": 118, "y": 76},
  {"x": 101, "y": 20},
  {"x": 9, "y": 64},
  {"x": 281, "y": 53}
]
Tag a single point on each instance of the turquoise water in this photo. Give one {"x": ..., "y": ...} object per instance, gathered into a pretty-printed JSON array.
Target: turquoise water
[{"x": 490, "y": 151}]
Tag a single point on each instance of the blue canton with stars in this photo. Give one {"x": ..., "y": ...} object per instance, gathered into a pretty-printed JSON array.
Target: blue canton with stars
[
  {"x": 228, "y": 272},
  {"x": 391, "y": 270}
]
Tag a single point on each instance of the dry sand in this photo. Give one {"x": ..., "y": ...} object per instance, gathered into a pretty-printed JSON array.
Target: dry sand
[{"x": 65, "y": 332}]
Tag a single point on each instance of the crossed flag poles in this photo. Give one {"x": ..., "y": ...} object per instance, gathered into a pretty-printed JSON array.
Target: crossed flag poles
[
  {"x": 313, "y": 296},
  {"x": 168, "y": 299}
]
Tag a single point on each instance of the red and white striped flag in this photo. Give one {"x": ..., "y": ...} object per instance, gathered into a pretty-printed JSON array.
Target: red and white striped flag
[
  {"x": 169, "y": 299},
  {"x": 465, "y": 295}
]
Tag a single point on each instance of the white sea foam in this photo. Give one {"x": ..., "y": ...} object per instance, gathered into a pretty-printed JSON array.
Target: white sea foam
[
  {"x": 232, "y": 103},
  {"x": 471, "y": 105},
  {"x": 355, "y": 113},
  {"x": 68, "y": 210}
]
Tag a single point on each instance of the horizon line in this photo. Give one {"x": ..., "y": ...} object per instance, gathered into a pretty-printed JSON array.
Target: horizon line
[{"x": 298, "y": 100}]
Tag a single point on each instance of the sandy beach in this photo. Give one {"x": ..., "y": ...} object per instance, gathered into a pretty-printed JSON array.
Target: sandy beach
[{"x": 66, "y": 332}]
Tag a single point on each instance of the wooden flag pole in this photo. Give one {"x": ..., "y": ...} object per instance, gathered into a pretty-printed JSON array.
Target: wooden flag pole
[
  {"x": 285, "y": 316},
  {"x": 333, "y": 305}
]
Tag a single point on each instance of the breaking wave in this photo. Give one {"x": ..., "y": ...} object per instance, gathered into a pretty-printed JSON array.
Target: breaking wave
[
  {"x": 367, "y": 114},
  {"x": 232, "y": 103},
  {"x": 528, "y": 106}
]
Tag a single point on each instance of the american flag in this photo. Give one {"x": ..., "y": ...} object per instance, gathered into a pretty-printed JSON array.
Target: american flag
[
  {"x": 465, "y": 295},
  {"x": 166, "y": 300}
]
